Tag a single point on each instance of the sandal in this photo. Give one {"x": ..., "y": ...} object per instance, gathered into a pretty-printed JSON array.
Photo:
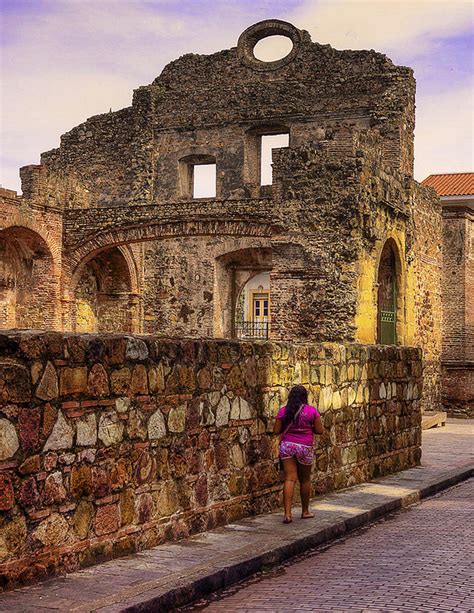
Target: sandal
[{"x": 287, "y": 520}]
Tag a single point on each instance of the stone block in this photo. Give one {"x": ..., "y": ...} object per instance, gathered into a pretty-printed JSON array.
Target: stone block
[
  {"x": 30, "y": 465},
  {"x": 48, "y": 388},
  {"x": 13, "y": 537},
  {"x": 120, "y": 381},
  {"x": 177, "y": 419},
  {"x": 136, "y": 350},
  {"x": 52, "y": 531},
  {"x": 7, "y": 496},
  {"x": 9, "y": 443},
  {"x": 54, "y": 490},
  {"x": 28, "y": 493},
  {"x": 156, "y": 378},
  {"x": 80, "y": 481},
  {"x": 86, "y": 431},
  {"x": 156, "y": 426},
  {"x": 223, "y": 411},
  {"x": 144, "y": 506},
  {"x": 98, "y": 382},
  {"x": 139, "y": 381},
  {"x": 29, "y": 422},
  {"x": 82, "y": 519},
  {"x": 107, "y": 519},
  {"x": 15, "y": 384},
  {"x": 73, "y": 380},
  {"x": 206, "y": 414},
  {"x": 111, "y": 429},
  {"x": 61, "y": 436},
  {"x": 127, "y": 507}
]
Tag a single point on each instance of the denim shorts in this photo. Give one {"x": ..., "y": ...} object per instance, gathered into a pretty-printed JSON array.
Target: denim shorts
[{"x": 303, "y": 453}]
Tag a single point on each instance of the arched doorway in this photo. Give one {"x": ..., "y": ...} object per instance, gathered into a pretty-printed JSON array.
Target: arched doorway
[
  {"x": 238, "y": 273},
  {"x": 387, "y": 296},
  {"x": 103, "y": 297},
  {"x": 28, "y": 281},
  {"x": 252, "y": 309}
]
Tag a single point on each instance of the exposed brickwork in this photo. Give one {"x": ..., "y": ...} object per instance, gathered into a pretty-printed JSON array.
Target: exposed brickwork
[
  {"x": 458, "y": 305},
  {"x": 142, "y": 440}
]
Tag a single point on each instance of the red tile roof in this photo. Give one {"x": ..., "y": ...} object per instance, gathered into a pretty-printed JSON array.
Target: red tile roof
[{"x": 452, "y": 184}]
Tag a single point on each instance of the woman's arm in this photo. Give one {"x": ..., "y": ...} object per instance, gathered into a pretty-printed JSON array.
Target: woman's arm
[
  {"x": 277, "y": 426},
  {"x": 318, "y": 427}
]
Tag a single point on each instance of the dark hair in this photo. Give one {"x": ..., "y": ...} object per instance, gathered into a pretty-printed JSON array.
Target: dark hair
[{"x": 298, "y": 395}]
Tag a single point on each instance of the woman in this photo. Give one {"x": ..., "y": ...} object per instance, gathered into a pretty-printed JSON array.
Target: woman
[{"x": 296, "y": 423}]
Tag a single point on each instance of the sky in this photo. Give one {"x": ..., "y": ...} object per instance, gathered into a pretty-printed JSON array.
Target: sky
[{"x": 62, "y": 61}]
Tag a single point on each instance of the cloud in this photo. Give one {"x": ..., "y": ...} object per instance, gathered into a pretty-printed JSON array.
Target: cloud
[
  {"x": 444, "y": 133},
  {"x": 65, "y": 60},
  {"x": 402, "y": 26}
]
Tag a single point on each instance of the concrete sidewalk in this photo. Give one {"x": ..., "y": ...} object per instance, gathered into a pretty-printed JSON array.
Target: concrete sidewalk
[{"x": 172, "y": 575}]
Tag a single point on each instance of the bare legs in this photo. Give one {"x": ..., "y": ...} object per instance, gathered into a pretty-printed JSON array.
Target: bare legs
[
  {"x": 290, "y": 468},
  {"x": 293, "y": 472},
  {"x": 304, "y": 476}
]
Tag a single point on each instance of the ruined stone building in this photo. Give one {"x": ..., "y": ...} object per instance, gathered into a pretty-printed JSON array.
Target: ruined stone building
[
  {"x": 456, "y": 191},
  {"x": 114, "y": 233}
]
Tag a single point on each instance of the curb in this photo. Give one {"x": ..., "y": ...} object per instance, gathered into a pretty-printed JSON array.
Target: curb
[{"x": 204, "y": 585}]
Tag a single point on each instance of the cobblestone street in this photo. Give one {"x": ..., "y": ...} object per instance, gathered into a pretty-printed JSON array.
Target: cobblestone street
[{"x": 419, "y": 559}]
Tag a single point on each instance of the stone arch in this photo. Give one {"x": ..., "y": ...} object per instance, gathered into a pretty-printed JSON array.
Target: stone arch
[
  {"x": 152, "y": 231},
  {"x": 29, "y": 279},
  {"x": 233, "y": 271},
  {"x": 390, "y": 294},
  {"x": 104, "y": 292}
]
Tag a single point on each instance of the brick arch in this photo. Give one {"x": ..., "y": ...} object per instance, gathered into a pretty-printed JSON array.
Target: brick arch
[
  {"x": 163, "y": 230},
  {"x": 104, "y": 292},
  {"x": 31, "y": 267},
  {"x": 128, "y": 256},
  {"x": 19, "y": 220}
]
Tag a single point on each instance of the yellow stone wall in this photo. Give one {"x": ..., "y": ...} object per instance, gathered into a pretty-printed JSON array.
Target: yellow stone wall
[{"x": 417, "y": 245}]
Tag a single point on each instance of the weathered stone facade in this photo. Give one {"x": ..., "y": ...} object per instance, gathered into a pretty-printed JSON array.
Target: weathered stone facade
[
  {"x": 111, "y": 444},
  {"x": 138, "y": 253},
  {"x": 456, "y": 191}
]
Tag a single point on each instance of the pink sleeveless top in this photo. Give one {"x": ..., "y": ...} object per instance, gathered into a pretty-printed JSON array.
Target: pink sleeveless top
[{"x": 302, "y": 430}]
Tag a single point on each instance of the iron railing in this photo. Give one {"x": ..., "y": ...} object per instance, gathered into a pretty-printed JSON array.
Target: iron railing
[{"x": 252, "y": 329}]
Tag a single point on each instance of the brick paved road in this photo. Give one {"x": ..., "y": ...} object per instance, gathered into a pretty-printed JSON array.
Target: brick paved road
[{"x": 419, "y": 559}]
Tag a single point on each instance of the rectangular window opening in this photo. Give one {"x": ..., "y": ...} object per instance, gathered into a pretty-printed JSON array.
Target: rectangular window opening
[
  {"x": 268, "y": 143},
  {"x": 204, "y": 181}
]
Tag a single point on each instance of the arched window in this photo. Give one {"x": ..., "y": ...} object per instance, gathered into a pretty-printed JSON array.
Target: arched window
[{"x": 387, "y": 297}]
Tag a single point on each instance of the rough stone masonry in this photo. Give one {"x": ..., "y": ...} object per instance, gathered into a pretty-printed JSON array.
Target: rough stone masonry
[
  {"x": 109, "y": 237},
  {"x": 114, "y": 442},
  {"x": 110, "y": 444}
]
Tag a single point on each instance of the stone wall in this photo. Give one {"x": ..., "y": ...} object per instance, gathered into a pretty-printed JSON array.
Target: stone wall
[
  {"x": 110, "y": 444},
  {"x": 428, "y": 263},
  {"x": 30, "y": 264},
  {"x": 458, "y": 308}
]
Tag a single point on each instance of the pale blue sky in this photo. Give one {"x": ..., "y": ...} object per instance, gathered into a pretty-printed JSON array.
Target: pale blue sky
[{"x": 65, "y": 60}]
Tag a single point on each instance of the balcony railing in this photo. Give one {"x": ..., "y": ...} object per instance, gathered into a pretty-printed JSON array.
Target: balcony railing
[{"x": 255, "y": 330}]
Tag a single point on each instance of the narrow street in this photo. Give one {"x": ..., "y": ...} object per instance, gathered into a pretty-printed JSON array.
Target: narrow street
[{"x": 418, "y": 559}]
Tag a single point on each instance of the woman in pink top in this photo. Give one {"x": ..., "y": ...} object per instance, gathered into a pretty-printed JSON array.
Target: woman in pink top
[{"x": 296, "y": 423}]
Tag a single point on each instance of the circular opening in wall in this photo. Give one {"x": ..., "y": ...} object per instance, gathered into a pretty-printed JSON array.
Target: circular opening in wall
[
  {"x": 269, "y": 45},
  {"x": 272, "y": 48}
]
